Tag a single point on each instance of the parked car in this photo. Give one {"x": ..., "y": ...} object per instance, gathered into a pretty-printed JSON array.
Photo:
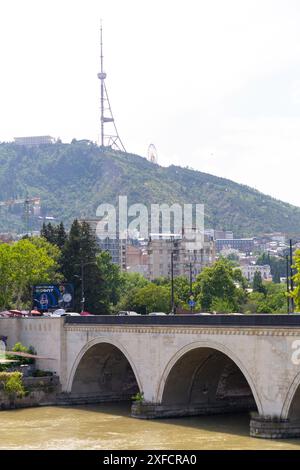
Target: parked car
[
  {"x": 126, "y": 312},
  {"x": 203, "y": 313},
  {"x": 157, "y": 313},
  {"x": 58, "y": 313},
  {"x": 70, "y": 314}
]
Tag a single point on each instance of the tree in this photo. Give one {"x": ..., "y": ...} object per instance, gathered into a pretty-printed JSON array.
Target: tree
[
  {"x": 274, "y": 300},
  {"x": 150, "y": 298},
  {"x": 54, "y": 234},
  {"x": 218, "y": 283},
  {"x": 111, "y": 276},
  {"x": 258, "y": 283},
  {"x": 79, "y": 257},
  {"x": 22, "y": 265},
  {"x": 296, "y": 293},
  {"x": 277, "y": 265}
]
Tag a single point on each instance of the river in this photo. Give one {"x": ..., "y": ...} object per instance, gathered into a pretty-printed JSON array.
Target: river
[{"x": 109, "y": 426}]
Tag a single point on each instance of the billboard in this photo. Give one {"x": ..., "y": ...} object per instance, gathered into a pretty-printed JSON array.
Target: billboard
[{"x": 53, "y": 296}]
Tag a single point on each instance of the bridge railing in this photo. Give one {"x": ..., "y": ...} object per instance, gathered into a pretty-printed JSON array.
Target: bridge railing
[{"x": 270, "y": 320}]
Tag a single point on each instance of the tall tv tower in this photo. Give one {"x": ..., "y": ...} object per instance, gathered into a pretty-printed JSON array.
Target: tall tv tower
[{"x": 108, "y": 139}]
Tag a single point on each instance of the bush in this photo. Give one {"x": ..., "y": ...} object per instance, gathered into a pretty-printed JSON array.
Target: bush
[
  {"x": 138, "y": 397},
  {"x": 18, "y": 347},
  {"x": 12, "y": 384}
]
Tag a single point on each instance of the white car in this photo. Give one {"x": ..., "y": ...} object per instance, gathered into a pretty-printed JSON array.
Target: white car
[
  {"x": 157, "y": 313},
  {"x": 126, "y": 312},
  {"x": 58, "y": 313}
]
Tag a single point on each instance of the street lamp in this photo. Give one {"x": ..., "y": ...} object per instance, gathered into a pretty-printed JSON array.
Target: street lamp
[
  {"x": 286, "y": 257},
  {"x": 82, "y": 266}
]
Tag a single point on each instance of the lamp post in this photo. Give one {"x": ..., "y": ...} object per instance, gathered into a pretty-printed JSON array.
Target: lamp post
[
  {"x": 286, "y": 257},
  {"x": 172, "y": 283},
  {"x": 81, "y": 277},
  {"x": 291, "y": 274}
]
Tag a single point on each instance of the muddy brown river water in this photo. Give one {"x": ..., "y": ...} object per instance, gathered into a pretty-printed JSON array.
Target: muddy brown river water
[{"x": 109, "y": 426}]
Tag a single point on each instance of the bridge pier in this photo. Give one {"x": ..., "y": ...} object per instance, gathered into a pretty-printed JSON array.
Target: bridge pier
[
  {"x": 148, "y": 410},
  {"x": 274, "y": 428}
]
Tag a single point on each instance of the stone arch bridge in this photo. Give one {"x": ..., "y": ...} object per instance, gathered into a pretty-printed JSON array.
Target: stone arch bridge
[{"x": 183, "y": 365}]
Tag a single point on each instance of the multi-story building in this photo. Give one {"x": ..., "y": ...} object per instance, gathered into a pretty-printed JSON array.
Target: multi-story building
[
  {"x": 219, "y": 234},
  {"x": 250, "y": 270},
  {"x": 186, "y": 261},
  {"x": 223, "y": 234},
  {"x": 136, "y": 259},
  {"x": 244, "y": 245},
  {"x": 114, "y": 245},
  {"x": 34, "y": 141}
]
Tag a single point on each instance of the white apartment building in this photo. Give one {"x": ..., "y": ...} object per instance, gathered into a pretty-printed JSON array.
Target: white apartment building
[{"x": 250, "y": 269}]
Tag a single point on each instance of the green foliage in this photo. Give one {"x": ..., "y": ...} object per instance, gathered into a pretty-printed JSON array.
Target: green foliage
[
  {"x": 23, "y": 264},
  {"x": 75, "y": 178},
  {"x": 273, "y": 300},
  {"x": 18, "y": 347},
  {"x": 277, "y": 265},
  {"x": 216, "y": 288},
  {"x": 138, "y": 397},
  {"x": 258, "y": 283},
  {"x": 221, "y": 306},
  {"x": 12, "y": 384},
  {"x": 102, "y": 279},
  {"x": 296, "y": 293},
  {"x": 54, "y": 234},
  {"x": 150, "y": 298}
]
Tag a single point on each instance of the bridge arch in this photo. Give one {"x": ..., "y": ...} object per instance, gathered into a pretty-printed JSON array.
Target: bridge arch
[
  {"x": 104, "y": 366},
  {"x": 291, "y": 406},
  {"x": 194, "y": 363}
]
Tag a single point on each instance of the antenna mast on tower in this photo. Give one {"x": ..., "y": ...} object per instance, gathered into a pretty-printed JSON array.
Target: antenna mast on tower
[{"x": 109, "y": 139}]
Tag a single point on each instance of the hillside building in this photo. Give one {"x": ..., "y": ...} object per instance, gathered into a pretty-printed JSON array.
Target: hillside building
[{"x": 34, "y": 141}]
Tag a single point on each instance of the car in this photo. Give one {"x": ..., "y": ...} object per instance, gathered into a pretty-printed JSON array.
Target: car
[
  {"x": 126, "y": 312},
  {"x": 58, "y": 313},
  {"x": 70, "y": 314},
  {"x": 157, "y": 313}
]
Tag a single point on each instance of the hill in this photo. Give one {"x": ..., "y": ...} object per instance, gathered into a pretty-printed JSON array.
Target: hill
[{"x": 73, "y": 179}]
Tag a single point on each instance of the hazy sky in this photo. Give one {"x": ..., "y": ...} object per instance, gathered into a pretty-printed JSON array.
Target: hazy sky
[{"x": 214, "y": 84}]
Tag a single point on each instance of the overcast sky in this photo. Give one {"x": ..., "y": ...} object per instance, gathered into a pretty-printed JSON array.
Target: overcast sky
[{"x": 214, "y": 84}]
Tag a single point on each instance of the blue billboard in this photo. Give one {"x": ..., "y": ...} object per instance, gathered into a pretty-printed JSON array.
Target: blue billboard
[{"x": 53, "y": 296}]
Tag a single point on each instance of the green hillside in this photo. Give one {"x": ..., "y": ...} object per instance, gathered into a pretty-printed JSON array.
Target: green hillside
[{"x": 73, "y": 179}]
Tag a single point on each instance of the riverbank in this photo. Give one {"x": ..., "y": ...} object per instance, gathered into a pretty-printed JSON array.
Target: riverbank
[{"x": 39, "y": 391}]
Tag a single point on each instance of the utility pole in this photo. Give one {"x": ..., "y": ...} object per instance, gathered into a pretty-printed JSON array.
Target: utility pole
[
  {"x": 287, "y": 284},
  {"x": 82, "y": 287},
  {"x": 172, "y": 282},
  {"x": 291, "y": 274},
  {"x": 191, "y": 280},
  {"x": 191, "y": 287}
]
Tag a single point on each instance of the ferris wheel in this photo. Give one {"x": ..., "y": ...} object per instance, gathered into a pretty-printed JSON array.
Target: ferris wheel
[{"x": 152, "y": 153}]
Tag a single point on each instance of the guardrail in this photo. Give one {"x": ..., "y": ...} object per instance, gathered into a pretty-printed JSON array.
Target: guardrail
[{"x": 270, "y": 320}]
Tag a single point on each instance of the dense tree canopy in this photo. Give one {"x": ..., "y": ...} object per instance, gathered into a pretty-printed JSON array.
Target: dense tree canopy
[
  {"x": 23, "y": 264},
  {"x": 217, "y": 287}
]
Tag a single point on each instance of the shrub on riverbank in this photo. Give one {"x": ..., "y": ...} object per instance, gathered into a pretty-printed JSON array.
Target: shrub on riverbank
[{"x": 12, "y": 384}]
